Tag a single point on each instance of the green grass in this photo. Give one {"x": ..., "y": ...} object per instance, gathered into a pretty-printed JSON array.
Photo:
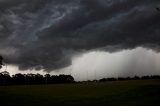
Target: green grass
[{"x": 118, "y": 93}]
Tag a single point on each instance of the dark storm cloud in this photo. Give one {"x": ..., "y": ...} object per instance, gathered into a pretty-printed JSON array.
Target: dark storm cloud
[{"x": 44, "y": 34}]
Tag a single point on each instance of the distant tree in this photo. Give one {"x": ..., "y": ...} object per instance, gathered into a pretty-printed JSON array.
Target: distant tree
[
  {"x": 5, "y": 78},
  {"x": 145, "y": 77},
  {"x": 47, "y": 77},
  {"x": 121, "y": 78},
  {"x": 1, "y": 61},
  {"x": 155, "y": 77},
  {"x": 135, "y": 78},
  {"x": 18, "y": 78},
  {"x": 39, "y": 79},
  {"x": 103, "y": 80},
  {"x": 111, "y": 79}
]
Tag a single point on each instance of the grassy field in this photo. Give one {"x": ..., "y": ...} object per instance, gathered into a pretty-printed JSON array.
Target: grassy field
[{"x": 118, "y": 93}]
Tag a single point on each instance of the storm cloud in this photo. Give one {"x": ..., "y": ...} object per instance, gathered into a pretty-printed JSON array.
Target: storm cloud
[{"x": 45, "y": 34}]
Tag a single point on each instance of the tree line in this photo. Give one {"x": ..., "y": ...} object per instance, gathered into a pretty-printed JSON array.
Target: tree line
[
  {"x": 130, "y": 78},
  {"x": 29, "y": 79}
]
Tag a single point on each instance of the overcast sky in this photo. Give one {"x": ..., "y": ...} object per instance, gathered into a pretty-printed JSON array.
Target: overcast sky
[{"x": 103, "y": 38}]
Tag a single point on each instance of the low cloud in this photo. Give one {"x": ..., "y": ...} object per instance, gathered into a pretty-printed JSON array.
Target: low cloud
[{"x": 38, "y": 34}]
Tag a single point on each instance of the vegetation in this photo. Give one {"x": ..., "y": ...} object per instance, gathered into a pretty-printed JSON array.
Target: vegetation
[
  {"x": 130, "y": 78},
  {"x": 30, "y": 79},
  {"x": 1, "y": 58}
]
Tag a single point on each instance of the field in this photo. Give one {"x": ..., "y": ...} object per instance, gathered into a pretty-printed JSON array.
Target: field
[{"x": 118, "y": 93}]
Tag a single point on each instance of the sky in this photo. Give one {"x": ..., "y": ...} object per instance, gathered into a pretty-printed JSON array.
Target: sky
[{"x": 88, "y": 39}]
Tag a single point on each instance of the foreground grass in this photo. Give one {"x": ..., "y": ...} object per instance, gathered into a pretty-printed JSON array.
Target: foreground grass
[{"x": 121, "y": 93}]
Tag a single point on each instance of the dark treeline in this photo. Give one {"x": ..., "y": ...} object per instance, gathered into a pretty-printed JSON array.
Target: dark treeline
[
  {"x": 130, "y": 78},
  {"x": 29, "y": 79}
]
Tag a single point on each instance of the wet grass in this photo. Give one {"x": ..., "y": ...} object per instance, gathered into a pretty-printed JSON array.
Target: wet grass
[{"x": 118, "y": 93}]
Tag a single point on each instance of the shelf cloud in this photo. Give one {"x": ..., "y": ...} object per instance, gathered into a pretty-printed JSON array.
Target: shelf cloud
[{"x": 46, "y": 34}]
